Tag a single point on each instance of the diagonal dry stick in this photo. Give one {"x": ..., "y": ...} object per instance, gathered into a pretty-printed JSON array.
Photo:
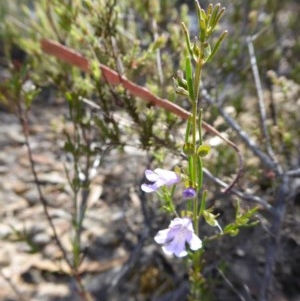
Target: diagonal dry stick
[{"x": 75, "y": 59}]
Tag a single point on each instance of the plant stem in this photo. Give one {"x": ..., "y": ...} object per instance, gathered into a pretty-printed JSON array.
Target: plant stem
[{"x": 197, "y": 168}]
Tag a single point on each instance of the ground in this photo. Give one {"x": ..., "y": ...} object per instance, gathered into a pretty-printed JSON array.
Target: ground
[{"x": 121, "y": 259}]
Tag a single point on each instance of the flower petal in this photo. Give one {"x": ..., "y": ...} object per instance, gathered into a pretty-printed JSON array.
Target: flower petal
[
  {"x": 170, "y": 177},
  {"x": 151, "y": 175},
  {"x": 176, "y": 222},
  {"x": 195, "y": 242},
  {"x": 148, "y": 187},
  {"x": 160, "y": 182},
  {"x": 168, "y": 253},
  {"x": 187, "y": 222},
  {"x": 162, "y": 236},
  {"x": 178, "y": 249}
]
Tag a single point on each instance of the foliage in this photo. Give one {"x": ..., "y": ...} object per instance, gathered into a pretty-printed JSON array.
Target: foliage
[{"x": 144, "y": 41}]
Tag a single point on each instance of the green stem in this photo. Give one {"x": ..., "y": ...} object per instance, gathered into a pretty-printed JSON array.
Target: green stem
[
  {"x": 197, "y": 79},
  {"x": 200, "y": 126},
  {"x": 191, "y": 169},
  {"x": 200, "y": 173},
  {"x": 195, "y": 171},
  {"x": 195, "y": 213},
  {"x": 203, "y": 202}
]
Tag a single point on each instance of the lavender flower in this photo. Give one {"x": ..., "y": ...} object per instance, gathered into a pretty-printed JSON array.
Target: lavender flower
[
  {"x": 175, "y": 238},
  {"x": 189, "y": 193},
  {"x": 159, "y": 177}
]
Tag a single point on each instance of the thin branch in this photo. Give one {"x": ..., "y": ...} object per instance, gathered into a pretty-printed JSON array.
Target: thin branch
[
  {"x": 231, "y": 286},
  {"x": 158, "y": 55},
  {"x": 244, "y": 196},
  {"x": 261, "y": 102},
  {"x": 293, "y": 173},
  {"x": 264, "y": 158}
]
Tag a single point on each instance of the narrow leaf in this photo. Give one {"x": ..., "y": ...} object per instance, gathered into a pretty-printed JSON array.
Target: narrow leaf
[
  {"x": 217, "y": 18},
  {"x": 217, "y": 46},
  {"x": 213, "y": 16},
  {"x": 187, "y": 38},
  {"x": 189, "y": 78}
]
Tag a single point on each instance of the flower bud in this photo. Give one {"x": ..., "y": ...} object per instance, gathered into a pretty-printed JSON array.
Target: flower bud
[
  {"x": 196, "y": 50},
  {"x": 188, "y": 149},
  {"x": 211, "y": 219},
  {"x": 179, "y": 88},
  {"x": 180, "y": 80},
  {"x": 203, "y": 150},
  {"x": 181, "y": 91},
  {"x": 189, "y": 193}
]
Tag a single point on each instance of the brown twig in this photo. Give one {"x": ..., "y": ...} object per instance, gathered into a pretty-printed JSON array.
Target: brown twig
[{"x": 73, "y": 58}]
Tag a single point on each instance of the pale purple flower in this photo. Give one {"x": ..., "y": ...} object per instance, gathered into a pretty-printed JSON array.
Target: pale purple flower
[
  {"x": 189, "y": 193},
  {"x": 175, "y": 238},
  {"x": 158, "y": 178}
]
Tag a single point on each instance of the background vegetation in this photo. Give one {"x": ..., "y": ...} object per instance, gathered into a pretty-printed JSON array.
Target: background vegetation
[{"x": 143, "y": 41}]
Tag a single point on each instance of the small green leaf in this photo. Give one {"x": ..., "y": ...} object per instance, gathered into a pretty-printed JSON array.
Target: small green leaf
[
  {"x": 203, "y": 15},
  {"x": 187, "y": 38},
  {"x": 199, "y": 13},
  {"x": 207, "y": 51},
  {"x": 158, "y": 43},
  {"x": 202, "y": 31},
  {"x": 209, "y": 10},
  {"x": 217, "y": 46},
  {"x": 233, "y": 232},
  {"x": 189, "y": 78},
  {"x": 217, "y": 18},
  {"x": 213, "y": 17}
]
